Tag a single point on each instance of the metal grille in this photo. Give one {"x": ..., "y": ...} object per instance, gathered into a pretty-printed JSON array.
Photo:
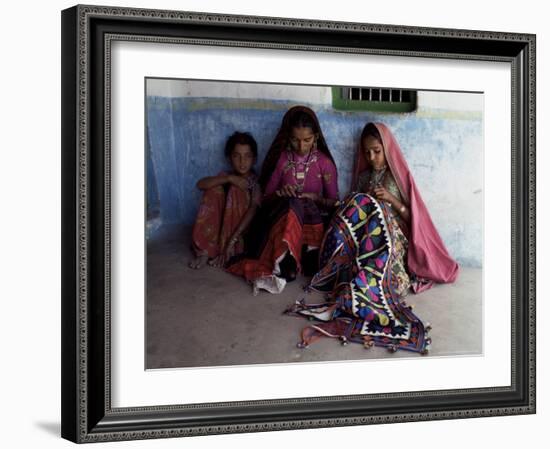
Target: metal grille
[{"x": 376, "y": 94}]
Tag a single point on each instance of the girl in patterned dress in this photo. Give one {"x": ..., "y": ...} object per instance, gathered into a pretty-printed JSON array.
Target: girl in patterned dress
[
  {"x": 228, "y": 205},
  {"x": 381, "y": 242},
  {"x": 377, "y": 180}
]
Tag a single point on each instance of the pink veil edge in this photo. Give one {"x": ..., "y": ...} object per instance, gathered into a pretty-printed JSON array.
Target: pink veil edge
[{"x": 428, "y": 257}]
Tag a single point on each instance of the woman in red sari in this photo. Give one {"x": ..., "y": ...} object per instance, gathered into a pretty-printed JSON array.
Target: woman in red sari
[
  {"x": 300, "y": 187},
  {"x": 228, "y": 204},
  {"x": 381, "y": 242}
]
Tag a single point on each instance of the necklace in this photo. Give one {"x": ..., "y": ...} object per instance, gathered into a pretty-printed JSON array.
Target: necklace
[
  {"x": 300, "y": 169},
  {"x": 376, "y": 178}
]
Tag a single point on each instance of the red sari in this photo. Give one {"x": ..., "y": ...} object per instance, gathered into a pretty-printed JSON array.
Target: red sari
[
  {"x": 220, "y": 212},
  {"x": 287, "y": 225}
]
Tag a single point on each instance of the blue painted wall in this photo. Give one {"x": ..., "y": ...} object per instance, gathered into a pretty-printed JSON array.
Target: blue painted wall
[{"x": 444, "y": 149}]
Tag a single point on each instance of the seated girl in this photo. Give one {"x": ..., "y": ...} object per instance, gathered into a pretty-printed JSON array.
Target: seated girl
[
  {"x": 227, "y": 206},
  {"x": 380, "y": 243},
  {"x": 300, "y": 185}
]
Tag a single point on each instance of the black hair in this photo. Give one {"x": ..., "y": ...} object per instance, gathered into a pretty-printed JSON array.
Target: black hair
[
  {"x": 243, "y": 139},
  {"x": 370, "y": 130},
  {"x": 301, "y": 119},
  {"x": 295, "y": 117}
]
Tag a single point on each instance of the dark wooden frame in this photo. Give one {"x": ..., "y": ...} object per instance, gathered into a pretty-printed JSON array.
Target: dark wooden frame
[{"x": 87, "y": 415}]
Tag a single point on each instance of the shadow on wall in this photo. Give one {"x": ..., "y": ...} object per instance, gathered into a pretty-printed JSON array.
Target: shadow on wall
[{"x": 186, "y": 138}]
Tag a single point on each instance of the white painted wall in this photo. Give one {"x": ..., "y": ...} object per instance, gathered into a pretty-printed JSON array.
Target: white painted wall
[
  {"x": 320, "y": 95},
  {"x": 455, "y": 101},
  {"x": 216, "y": 89}
]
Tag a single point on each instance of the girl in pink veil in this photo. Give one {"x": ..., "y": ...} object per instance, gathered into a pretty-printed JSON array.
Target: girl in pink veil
[
  {"x": 427, "y": 258},
  {"x": 381, "y": 242}
]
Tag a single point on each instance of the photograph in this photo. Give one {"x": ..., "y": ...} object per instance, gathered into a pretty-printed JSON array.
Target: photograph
[{"x": 302, "y": 223}]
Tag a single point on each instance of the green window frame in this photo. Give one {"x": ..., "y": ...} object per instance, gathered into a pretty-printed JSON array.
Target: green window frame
[{"x": 376, "y": 99}]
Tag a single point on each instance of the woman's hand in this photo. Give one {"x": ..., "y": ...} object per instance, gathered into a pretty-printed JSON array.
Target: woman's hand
[
  {"x": 238, "y": 181},
  {"x": 288, "y": 191},
  {"x": 382, "y": 194},
  {"x": 309, "y": 195}
]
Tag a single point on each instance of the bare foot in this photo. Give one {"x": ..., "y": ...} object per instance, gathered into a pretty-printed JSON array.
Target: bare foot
[
  {"x": 217, "y": 261},
  {"x": 198, "y": 262}
]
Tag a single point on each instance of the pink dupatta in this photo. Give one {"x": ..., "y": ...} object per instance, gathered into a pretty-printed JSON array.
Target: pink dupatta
[{"x": 427, "y": 258}]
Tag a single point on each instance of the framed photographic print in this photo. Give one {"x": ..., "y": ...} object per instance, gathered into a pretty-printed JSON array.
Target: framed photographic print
[{"x": 266, "y": 222}]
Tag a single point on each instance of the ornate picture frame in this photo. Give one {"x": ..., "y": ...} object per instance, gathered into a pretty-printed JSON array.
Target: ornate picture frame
[{"x": 88, "y": 33}]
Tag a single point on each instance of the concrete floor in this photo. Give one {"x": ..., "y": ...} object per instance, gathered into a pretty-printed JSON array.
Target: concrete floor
[{"x": 208, "y": 317}]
